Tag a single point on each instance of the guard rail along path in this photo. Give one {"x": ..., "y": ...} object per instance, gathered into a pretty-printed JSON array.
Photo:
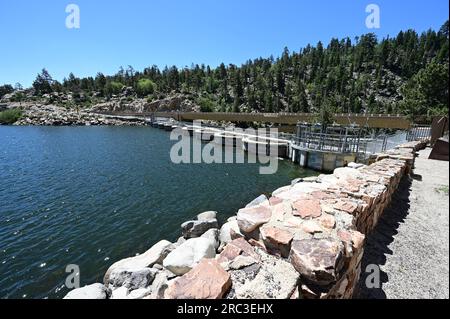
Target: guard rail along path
[{"x": 305, "y": 241}]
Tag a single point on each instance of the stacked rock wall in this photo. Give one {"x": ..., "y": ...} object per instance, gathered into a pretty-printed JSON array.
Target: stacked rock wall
[{"x": 305, "y": 241}]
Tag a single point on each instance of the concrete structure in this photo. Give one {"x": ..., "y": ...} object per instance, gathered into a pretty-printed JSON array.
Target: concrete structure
[{"x": 324, "y": 158}]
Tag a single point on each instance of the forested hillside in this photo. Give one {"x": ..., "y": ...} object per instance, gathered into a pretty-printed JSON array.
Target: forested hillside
[{"x": 405, "y": 74}]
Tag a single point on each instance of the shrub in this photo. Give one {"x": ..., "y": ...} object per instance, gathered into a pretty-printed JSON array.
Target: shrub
[
  {"x": 10, "y": 116},
  {"x": 113, "y": 88},
  {"x": 145, "y": 87},
  {"x": 206, "y": 104}
]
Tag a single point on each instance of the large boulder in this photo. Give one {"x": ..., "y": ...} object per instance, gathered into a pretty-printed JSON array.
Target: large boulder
[
  {"x": 132, "y": 278},
  {"x": 355, "y": 165},
  {"x": 251, "y": 218},
  {"x": 196, "y": 228},
  {"x": 159, "y": 286},
  {"x": 154, "y": 255},
  {"x": 346, "y": 173},
  {"x": 187, "y": 255},
  {"x": 94, "y": 291},
  {"x": 229, "y": 230},
  {"x": 207, "y": 215},
  {"x": 318, "y": 260},
  {"x": 208, "y": 280},
  {"x": 139, "y": 293},
  {"x": 261, "y": 200},
  {"x": 120, "y": 293},
  {"x": 236, "y": 248},
  {"x": 277, "y": 240},
  {"x": 281, "y": 190},
  {"x": 213, "y": 235},
  {"x": 270, "y": 278}
]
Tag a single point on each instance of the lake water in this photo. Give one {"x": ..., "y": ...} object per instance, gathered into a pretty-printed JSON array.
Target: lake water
[{"x": 93, "y": 195}]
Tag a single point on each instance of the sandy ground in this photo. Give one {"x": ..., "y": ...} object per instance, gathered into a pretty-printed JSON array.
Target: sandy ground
[{"x": 411, "y": 241}]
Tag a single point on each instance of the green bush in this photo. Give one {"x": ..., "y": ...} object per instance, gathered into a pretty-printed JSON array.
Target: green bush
[
  {"x": 113, "y": 88},
  {"x": 206, "y": 104},
  {"x": 145, "y": 87},
  {"x": 10, "y": 116}
]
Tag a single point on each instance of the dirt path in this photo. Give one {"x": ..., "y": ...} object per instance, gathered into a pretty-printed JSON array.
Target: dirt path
[{"x": 411, "y": 242}]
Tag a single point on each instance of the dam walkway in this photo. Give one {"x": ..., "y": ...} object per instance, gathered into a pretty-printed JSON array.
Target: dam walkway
[{"x": 411, "y": 241}]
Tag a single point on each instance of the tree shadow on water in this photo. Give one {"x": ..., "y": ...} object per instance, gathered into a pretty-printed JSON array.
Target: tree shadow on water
[{"x": 378, "y": 241}]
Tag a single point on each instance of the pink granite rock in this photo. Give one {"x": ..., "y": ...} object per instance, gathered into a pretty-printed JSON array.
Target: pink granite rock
[
  {"x": 318, "y": 260},
  {"x": 311, "y": 227},
  {"x": 307, "y": 208},
  {"x": 278, "y": 212},
  {"x": 357, "y": 239},
  {"x": 275, "y": 200},
  {"x": 251, "y": 218},
  {"x": 208, "y": 280},
  {"x": 327, "y": 221},
  {"x": 346, "y": 206},
  {"x": 277, "y": 239},
  {"x": 236, "y": 248}
]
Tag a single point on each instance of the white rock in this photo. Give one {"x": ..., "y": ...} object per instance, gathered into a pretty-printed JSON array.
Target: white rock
[
  {"x": 154, "y": 255},
  {"x": 346, "y": 173},
  {"x": 180, "y": 241},
  {"x": 188, "y": 254},
  {"x": 139, "y": 293},
  {"x": 159, "y": 286},
  {"x": 281, "y": 190},
  {"x": 213, "y": 235},
  {"x": 158, "y": 267},
  {"x": 132, "y": 278},
  {"x": 120, "y": 293},
  {"x": 94, "y": 291},
  {"x": 207, "y": 215},
  {"x": 328, "y": 179},
  {"x": 293, "y": 192},
  {"x": 225, "y": 234},
  {"x": 260, "y": 200},
  {"x": 355, "y": 165}
]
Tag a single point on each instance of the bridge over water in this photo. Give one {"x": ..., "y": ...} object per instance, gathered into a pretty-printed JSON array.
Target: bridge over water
[{"x": 364, "y": 120}]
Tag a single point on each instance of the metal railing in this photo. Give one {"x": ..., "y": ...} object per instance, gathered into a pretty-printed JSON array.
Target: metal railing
[
  {"x": 331, "y": 142},
  {"x": 418, "y": 133}
]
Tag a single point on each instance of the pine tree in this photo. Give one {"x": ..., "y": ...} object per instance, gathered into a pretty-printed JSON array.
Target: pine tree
[{"x": 43, "y": 83}]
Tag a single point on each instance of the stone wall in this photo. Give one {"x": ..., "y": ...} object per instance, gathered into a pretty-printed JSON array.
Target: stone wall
[{"x": 305, "y": 241}]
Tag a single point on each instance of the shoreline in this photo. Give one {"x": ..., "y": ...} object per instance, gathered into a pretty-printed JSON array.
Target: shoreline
[
  {"x": 51, "y": 115},
  {"x": 305, "y": 241}
]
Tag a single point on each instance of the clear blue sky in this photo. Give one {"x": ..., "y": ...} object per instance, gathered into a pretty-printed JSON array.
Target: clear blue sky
[{"x": 180, "y": 32}]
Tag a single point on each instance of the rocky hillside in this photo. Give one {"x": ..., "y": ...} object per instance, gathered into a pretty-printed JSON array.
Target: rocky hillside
[
  {"x": 52, "y": 115},
  {"x": 176, "y": 102}
]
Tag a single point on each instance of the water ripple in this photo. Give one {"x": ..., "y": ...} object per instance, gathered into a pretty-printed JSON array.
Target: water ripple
[{"x": 90, "y": 196}]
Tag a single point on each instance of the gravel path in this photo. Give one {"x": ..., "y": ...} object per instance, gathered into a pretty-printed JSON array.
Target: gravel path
[{"x": 411, "y": 241}]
